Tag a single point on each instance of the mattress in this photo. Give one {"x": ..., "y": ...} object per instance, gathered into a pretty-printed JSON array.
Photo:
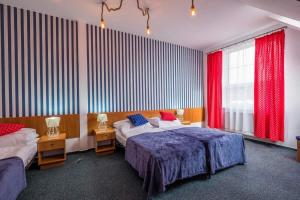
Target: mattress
[{"x": 25, "y": 152}]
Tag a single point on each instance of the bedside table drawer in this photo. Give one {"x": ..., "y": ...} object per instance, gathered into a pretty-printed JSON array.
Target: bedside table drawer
[
  {"x": 105, "y": 136},
  {"x": 51, "y": 145}
]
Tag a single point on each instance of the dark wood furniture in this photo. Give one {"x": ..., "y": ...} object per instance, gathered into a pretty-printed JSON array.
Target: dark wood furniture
[
  {"x": 51, "y": 151},
  {"x": 105, "y": 141}
]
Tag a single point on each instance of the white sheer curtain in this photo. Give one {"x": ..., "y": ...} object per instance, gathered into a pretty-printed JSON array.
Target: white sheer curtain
[{"x": 238, "y": 87}]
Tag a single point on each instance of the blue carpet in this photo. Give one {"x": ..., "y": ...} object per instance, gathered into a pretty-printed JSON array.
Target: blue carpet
[{"x": 271, "y": 173}]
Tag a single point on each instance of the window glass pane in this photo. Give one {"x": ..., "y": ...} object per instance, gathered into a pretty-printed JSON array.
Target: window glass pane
[
  {"x": 233, "y": 76},
  {"x": 238, "y": 77},
  {"x": 241, "y": 75},
  {"x": 249, "y": 56},
  {"x": 233, "y": 59},
  {"x": 240, "y": 58}
]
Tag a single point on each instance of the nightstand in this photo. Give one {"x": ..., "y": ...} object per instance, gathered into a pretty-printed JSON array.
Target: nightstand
[
  {"x": 105, "y": 141},
  {"x": 185, "y": 122},
  {"x": 51, "y": 151}
]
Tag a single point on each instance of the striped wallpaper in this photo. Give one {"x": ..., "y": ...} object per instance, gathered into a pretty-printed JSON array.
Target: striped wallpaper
[
  {"x": 128, "y": 72},
  {"x": 38, "y": 64}
]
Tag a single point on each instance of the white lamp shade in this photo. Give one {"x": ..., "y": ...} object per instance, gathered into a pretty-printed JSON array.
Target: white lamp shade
[
  {"x": 52, "y": 122},
  {"x": 102, "y": 118},
  {"x": 180, "y": 112}
]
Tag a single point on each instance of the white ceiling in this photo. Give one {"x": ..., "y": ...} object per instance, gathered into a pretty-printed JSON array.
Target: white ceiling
[
  {"x": 287, "y": 8},
  {"x": 216, "y": 20}
]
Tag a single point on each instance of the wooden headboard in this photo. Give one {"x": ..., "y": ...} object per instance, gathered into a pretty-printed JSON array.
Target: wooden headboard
[
  {"x": 190, "y": 114},
  {"x": 69, "y": 124}
]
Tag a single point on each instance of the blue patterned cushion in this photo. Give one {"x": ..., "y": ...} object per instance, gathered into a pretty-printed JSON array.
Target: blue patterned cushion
[{"x": 137, "y": 119}]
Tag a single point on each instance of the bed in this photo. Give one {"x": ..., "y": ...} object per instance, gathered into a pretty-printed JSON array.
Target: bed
[
  {"x": 17, "y": 152},
  {"x": 163, "y": 155},
  {"x": 25, "y": 152}
]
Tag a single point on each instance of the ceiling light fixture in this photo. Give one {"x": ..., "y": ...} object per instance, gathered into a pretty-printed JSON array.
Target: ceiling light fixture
[
  {"x": 102, "y": 22},
  {"x": 145, "y": 12},
  {"x": 193, "y": 9}
]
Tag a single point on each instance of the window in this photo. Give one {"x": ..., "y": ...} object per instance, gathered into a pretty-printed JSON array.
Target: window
[
  {"x": 238, "y": 87},
  {"x": 238, "y": 77}
]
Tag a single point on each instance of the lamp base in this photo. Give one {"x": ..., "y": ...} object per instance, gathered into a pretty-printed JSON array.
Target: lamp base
[
  {"x": 53, "y": 132},
  {"x": 180, "y": 118},
  {"x": 102, "y": 126}
]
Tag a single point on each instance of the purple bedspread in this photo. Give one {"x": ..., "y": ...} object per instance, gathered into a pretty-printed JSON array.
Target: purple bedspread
[
  {"x": 225, "y": 149},
  {"x": 12, "y": 178},
  {"x": 164, "y": 157}
]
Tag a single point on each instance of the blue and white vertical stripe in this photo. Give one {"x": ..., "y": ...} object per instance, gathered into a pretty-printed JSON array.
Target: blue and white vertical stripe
[
  {"x": 128, "y": 72},
  {"x": 38, "y": 64}
]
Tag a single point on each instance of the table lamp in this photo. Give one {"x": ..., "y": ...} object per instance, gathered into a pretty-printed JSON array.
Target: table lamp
[
  {"x": 52, "y": 124},
  {"x": 102, "y": 119},
  {"x": 180, "y": 113}
]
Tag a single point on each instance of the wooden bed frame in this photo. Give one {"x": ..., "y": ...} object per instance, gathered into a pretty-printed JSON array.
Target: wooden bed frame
[
  {"x": 190, "y": 114},
  {"x": 69, "y": 124}
]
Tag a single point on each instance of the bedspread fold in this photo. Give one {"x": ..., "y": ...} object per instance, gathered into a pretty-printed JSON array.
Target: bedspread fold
[{"x": 161, "y": 158}]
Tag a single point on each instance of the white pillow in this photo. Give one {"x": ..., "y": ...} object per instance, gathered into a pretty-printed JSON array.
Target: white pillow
[
  {"x": 154, "y": 121},
  {"x": 125, "y": 126},
  {"x": 157, "y": 122},
  {"x": 130, "y": 127},
  {"x": 23, "y": 136},
  {"x": 128, "y": 131},
  {"x": 119, "y": 124},
  {"x": 168, "y": 124}
]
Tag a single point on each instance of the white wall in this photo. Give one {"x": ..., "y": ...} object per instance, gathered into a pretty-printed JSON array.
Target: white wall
[
  {"x": 84, "y": 142},
  {"x": 292, "y": 86}
]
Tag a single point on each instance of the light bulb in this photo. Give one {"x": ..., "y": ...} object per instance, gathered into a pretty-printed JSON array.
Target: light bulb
[
  {"x": 102, "y": 24},
  {"x": 148, "y": 31},
  {"x": 193, "y": 10}
]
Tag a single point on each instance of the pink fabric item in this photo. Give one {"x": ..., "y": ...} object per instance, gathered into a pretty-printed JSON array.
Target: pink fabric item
[
  {"x": 269, "y": 87},
  {"x": 167, "y": 116},
  {"x": 6, "y": 129},
  {"x": 214, "y": 90}
]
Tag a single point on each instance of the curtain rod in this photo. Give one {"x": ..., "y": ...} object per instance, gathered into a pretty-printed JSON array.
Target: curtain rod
[{"x": 257, "y": 36}]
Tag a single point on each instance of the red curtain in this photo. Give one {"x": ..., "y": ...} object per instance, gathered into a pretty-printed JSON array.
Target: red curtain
[
  {"x": 214, "y": 90},
  {"x": 269, "y": 87}
]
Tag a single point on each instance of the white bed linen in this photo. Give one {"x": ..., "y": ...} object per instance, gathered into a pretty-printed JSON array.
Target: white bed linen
[
  {"x": 138, "y": 131},
  {"x": 157, "y": 122},
  {"x": 123, "y": 136},
  {"x": 25, "y": 152},
  {"x": 120, "y": 138},
  {"x": 23, "y": 136}
]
